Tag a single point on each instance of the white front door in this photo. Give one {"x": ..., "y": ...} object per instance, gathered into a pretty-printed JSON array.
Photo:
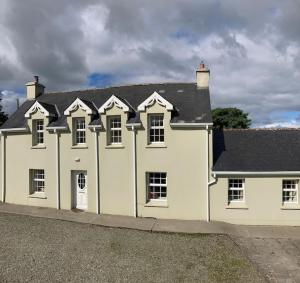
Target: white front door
[{"x": 81, "y": 190}]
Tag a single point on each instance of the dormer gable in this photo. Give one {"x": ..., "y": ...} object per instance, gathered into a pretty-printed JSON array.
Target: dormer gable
[
  {"x": 78, "y": 103},
  {"x": 48, "y": 110},
  {"x": 155, "y": 98},
  {"x": 115, "y": 101}
]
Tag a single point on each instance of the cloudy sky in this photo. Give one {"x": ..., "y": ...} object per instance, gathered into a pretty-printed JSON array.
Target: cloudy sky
[{"x": 252, "y": 49}]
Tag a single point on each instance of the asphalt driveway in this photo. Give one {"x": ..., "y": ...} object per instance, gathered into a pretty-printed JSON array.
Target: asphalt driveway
[{"x": 47, "y": 250}]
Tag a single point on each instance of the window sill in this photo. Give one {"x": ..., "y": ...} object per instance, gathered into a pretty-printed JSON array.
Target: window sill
[
  {"x": 114, "y": 146},
  {"x": 291, "y": 206},
  {"x": 156, "y": 203},
  {"x": 79, "y": 146},
  {"x": 38, "y": 146},
  {"x": 156, "y": 145},
  {"x": 237, "y": 205},
  {"x": 40, "y": 195}
]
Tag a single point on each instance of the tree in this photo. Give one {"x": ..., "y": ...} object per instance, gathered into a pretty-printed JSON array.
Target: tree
[
  {"x": 230, "y": 118},
  {"x": 3, "y": 115}
]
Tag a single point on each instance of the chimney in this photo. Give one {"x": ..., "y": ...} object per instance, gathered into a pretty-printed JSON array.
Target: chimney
[
  {"x": 34, "y": 89},
  {"x": 202, "y": 76}
]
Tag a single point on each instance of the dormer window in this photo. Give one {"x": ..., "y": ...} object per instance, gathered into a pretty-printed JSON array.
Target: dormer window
[
  {"x": 156, "y": 128},
  {"x": 38, "y": 131},
  {"x": 114, "y": 130},
  {"x": 79, "y": 129}
]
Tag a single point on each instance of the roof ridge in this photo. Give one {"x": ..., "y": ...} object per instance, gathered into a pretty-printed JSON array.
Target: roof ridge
[{"x": 117, "y": 86}]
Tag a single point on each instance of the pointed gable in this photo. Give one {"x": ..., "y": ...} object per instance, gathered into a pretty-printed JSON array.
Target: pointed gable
[
  {"x": 84, "y": 105},
  {"x": 153, "y": 98},
  {"x": 48, "y": 110},
  {"x": 115, "y": 101}
]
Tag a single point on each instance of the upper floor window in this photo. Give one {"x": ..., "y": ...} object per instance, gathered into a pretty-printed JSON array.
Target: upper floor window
[
  {"x": 80, "y": 131},
  {"x": 38, "y": 126},
  {"x": 236, "y": 190},
  {"x": 290, "y": 191},
  {"x": 156, "y": 128},
  {"x": 38, "y": 180},
  {"x": 114, "y": 130}
]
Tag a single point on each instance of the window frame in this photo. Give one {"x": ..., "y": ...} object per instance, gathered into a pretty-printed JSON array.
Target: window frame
[
  {"x": 36, "y": 179},
  {"x": 78, "y": 131},
  {"x": 296, "y": 182},
  {"x": 232, "y": 189},
  {"x": 39, "y": 134},
  {"x": 155, "y": 127},
  {"x": 150, "y": 184},
  {"x": 113, "y": 130}
]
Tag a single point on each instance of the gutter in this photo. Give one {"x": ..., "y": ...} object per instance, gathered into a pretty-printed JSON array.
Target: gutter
[
  {"x": 134, "y": 171},
  {"x": 94, "y": 127},
  {"x": 133, "y": 125},
  {"x": 207, "y": 176},
  {"x": 3, "y": 167},
  {"x": 97, "y": 170},
  {"x": 261, "y": 173},
  {"x": 57, "y": 171},
  {"x": 57, "y": 128},
  {"x": 190, "y": 125},
  {"x": 14, "y": 130}
]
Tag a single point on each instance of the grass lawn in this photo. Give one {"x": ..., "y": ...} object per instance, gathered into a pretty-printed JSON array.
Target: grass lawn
[{"x": 37, "y": 249}]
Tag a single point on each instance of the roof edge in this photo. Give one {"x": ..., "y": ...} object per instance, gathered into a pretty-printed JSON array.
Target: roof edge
[{"x": 253, "y": 173}]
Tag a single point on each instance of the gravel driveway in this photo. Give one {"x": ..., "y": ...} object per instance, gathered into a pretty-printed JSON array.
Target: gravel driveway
[
  {"x": 37, "y": 249},
  {"x": 278, "y": 259}
]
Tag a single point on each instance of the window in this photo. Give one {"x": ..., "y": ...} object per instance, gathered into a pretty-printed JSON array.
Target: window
[
  {"x": 115, "y": 130},
  {"x": 39, "y": 131},
  {"x": 157, "y": 186},
  {"x": 38, "y": 180},
  {"x": 79, "y": 131},
  {"x": 156, "y": 128},
  {"x": 236, "y": 190},
  {"x": 290, "y": 191}
]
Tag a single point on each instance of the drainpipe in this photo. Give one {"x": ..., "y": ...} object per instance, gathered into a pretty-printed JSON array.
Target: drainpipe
[
  {"x": 134, "y": 171},
  {"x": 207, "y": 175},
  {"x": 3, "y": 155},
  {"x": 57, "y": 171},
  {"x": 97, "y": 172}
]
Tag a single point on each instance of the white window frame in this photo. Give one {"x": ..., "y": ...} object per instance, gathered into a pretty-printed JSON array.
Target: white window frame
[
  {"x": 156, "y": 128},
  {"x": 79, "y": 131},
  {"x": 232, "y": 188},
  {"x": 287, "y": 189},
  {"x": 38, "y": 181},
  {"x": 39, "y": 131},
  {"x": 114, "y": 132},
  {"x": 160, "y": 184}
]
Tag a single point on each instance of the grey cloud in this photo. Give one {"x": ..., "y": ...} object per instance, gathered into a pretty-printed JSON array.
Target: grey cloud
[{"x": 252, "y": 47}]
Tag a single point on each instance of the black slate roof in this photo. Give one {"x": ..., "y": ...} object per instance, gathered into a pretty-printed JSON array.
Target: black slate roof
[
  {"x": 191, "y": 104},
  {"x": 257, "y": 150}
]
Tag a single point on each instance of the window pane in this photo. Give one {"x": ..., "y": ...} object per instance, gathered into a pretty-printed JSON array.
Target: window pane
[
  {"x": 38, "y": 181},
  {"x": 290, "y": 191},
  {"x": 80, "y": 131},
  {"x": 235, "y": 190},
  {"x": 156, "y": 128},
  {"x": 157, "y": 188},
  {"x": 115, "y": 129}
]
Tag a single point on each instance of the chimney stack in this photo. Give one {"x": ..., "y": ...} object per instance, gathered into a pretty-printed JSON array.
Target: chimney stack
[
  {"x": 34, "y": 89},
  {"x": 202, "y": 76}
]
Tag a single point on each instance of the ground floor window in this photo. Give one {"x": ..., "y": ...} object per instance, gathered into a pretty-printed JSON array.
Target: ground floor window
[
  {"x": 157, "y": 186},
  {"x": 290, "y": 191},
  {"x": 38, "y": 180},
  {"x": 236, "y": 190}
]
